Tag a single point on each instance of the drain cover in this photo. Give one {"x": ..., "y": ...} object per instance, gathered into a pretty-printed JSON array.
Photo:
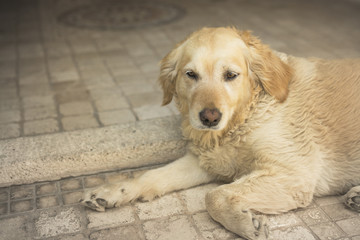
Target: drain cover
[{"x": 117, "y": 15}]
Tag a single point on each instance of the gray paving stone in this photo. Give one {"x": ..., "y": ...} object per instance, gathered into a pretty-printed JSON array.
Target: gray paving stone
[
  {"x": 161, "y": 207},
  {"x": 15, "y": 228},
  {"x": 350, "y": 226},
  {"x": 111, "y": 218},
  {"x": 145, "y": 99},
  {"x": 76, "y": 108},
  {"x": 313, "y": 216},
  {"x": 4, "y": 194},
  {"x": 8, "y": 69},
  {"x": 21, "y": 192},
  {"x": 39, "y": 113},
  {"x": 10, "y": 116},
  {"x": 150, "y": 112},
  {"x": 194, "y": 198},
  {"x": 78, "y": 94},
  {"x": 33, "y": 90},
  {"x": 128, "y": 232},
  {"x": 79, "y": 122},
  {"x": 284, "y": 220},
  {"x": 51, "y": 223},
  {"x": 46, "y": 202},
  {"x": 3, "y": 208},
  {"x": 46, "y": 189},
  {"x": 72, "y": 197},
  {"x": 31, "y": 50},
  {"x": 38, "y": 101},
  {"x": 62, "y": 69},
  {"x": 327, "y": 200},
  {"x": 293, "y": 233},
  {"x": 175, "y": 228},
  {"x": 111, "y": 103},
  {"x": 141, "y": 86},
  {"x": 21, "y": 206},
  {"x": 338, "y": 211},
  {"x": 94, "y": 181},
  {"x": 326, "y": 231},
  {"x": 11, "y": 130},
  {"x": 41, "y": 126},
  {"x": 71, "y": 184},
  {"x": 116, "y": 117}
]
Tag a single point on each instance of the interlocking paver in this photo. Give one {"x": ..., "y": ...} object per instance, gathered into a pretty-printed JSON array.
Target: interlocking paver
[
  {"x": 39, "y": 113},
  {"x": 313, "y": 216},
  {"x": 46, "y": 202},
  {"x": 3, "y": 208},
  {"x": 52, "y": 223},
  {"x": 338, "y": 212},
  {"x": 21, "y": 206},
  {"x": 161, "y": 207},
  {"x": 21, "y": 192},
  {"x": 79, "y": 122},
  {"x": 194, "y": 198},
  {"x": 76, "y": 108},
  {"x": 129, "y": 232},
  {"x": 72, "y": 197},
  {"x": 41, "y": 126},
  {"x": 46, "y": 188},
  {"x": 94, "y": 181},
  {"x": 295, "y": 233},
  {"x": 350, "y": 226},
  {"x": 111, "y": 218},
  {"x": 176, "y": 227},
  {"x": 327, "y": 231},
  {"x": 111, "y": 103},
  {"x": 15, "y": 228},
  {"x": 71, "y": 184},
  {"x": 10, "y": 116},
  {"x": 11, "y": 130},
  {"x": 116, "y": 117}
]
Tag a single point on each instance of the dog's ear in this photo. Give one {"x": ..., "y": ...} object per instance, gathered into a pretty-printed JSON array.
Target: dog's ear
[
  {"x": 168, "y": 73},
  {"x": 272, "y": 73}
]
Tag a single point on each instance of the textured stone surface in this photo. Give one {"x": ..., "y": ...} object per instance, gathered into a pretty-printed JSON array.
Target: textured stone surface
[
  {"x": 51, "y": 223},
  {"x": 176, "y": 227},
  {"x": 26, "y": 160},
  {"x": 161, "y": 207},
  {"x": 110, "y": 218}
]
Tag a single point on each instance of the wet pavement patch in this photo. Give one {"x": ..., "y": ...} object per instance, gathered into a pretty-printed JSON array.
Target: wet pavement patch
[{"x": 120, "y": 15}]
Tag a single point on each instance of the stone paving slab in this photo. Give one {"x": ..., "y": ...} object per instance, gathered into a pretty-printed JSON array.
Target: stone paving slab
[
  {"x": 50, "y": 210},
  {"x": 55, "y": 156}
]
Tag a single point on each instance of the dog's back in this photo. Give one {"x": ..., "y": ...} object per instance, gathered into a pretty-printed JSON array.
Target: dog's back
[{"x": 324, "y": 102}]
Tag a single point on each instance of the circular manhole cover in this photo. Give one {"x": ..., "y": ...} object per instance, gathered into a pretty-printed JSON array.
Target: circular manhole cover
[{"x": 117, "y": 15}]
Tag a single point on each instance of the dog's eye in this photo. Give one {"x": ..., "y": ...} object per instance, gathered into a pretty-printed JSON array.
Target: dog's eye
[
  {"x": 230, "y": 76},
  {"x": 191, "y": 75}
]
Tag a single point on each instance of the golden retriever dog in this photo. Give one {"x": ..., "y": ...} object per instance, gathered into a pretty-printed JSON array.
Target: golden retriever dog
[{"x": 277, "y": 129}]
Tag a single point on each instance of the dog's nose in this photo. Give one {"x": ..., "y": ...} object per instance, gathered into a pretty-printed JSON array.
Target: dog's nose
[{"x": 210, "y": 117}]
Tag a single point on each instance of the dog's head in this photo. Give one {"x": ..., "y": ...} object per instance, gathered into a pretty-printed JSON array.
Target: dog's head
[{"x": 213, "y": 74}]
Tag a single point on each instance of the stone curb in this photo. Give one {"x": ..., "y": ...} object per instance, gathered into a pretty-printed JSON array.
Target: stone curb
[{"x": 55, "y": 156}]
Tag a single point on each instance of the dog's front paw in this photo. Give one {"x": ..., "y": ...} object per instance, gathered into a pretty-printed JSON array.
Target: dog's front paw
[
  {"x": 352, "y": 198},
  {"x": 108, "y": 196}
]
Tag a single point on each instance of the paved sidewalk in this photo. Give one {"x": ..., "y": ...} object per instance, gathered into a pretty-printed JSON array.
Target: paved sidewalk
[
  {"x": 50, "y": 210},
  {"x": 69, "y": 66}
]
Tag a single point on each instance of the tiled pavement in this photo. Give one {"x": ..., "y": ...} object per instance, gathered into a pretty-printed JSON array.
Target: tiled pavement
[
  {"x": 50, "y": 210},
  {"x": 56, "y": 77}
]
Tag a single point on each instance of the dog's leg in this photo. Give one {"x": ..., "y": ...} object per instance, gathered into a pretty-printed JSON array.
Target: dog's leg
[
  {"x": 182, "y": 173},
  {"x": 236, "y": 205},
  {"x": 352, "y": 198}
]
